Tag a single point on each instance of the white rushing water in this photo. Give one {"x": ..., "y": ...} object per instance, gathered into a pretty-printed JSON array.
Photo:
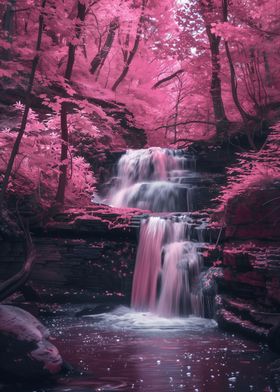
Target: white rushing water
[
  {"x": 167, "y": 270},
  {"x": 151, "y": 179},
  {"x": 168, "y": 267},
  {"x": 126, "y": 319}
]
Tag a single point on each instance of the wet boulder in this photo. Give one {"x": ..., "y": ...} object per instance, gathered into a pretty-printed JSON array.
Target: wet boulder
[
  {"x": 234, "y": 320},
  {"x": 25, "y": 349},
  {"x": 98, "y": 309},
  {"x": 208, "y": 286}
]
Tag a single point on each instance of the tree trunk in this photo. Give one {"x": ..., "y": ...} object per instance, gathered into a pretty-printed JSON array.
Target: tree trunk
[
  {"x": 26, "y": 109},
  {"x": 8, "y": 20},
  {"x": 63, "y": 154},
  {"x": 178, "y": 100},
  {"x": 101, "y": 56},
  {"x": 216, "y": 87},
  {"x": 62, "y": 181},
  {"x": 267, "y": 69},
  {"x": 133, "y": 50},
  {"x": 246, "y": 117}
]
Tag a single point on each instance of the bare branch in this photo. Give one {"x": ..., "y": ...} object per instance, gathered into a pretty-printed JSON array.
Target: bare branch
[
  {"x": 186, "y": 140},
  {"x": 157, "y": 84},
  {"x": 187, "y": 122}
]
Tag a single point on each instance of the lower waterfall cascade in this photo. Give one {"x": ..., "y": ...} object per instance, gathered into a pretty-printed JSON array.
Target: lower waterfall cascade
[
  {"x": 167, "y": 270},
  {"x": 168, "y": 264}
]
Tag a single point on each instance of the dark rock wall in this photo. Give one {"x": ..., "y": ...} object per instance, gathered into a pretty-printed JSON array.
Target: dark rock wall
[
  {"x": 101, "y": 266},
  {"x": 254, "y": 215},
  {"x": 249, "y": 287}
]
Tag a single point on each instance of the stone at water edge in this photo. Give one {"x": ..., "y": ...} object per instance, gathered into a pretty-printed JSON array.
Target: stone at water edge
[{"x": 25, "y": 349}]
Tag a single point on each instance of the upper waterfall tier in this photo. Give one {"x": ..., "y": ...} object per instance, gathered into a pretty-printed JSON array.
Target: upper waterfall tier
[
  {"x": 152, "y": 164},
  {"x": 155, "y": 179}
]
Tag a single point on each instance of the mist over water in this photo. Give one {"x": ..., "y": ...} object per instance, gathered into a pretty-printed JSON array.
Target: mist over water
[{"x": 127, "y": 319}]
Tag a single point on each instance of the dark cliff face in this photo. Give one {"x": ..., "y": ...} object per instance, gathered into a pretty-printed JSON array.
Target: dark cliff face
[
  {"x": 254, "y": 215},
  {"x": 249, "y": 288},
  {"x": 247, "y": 252},
  {"x": 67, "y": 267},
  {"x": 91, "y": 251}
]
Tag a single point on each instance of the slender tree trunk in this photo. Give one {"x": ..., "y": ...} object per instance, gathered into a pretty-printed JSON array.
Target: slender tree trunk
[
  {"x": 126, "y": 46},
  {"x": 246, "y": 117},
  {"x": 178, "y": 101},
  {"x": 62, "y": 181},
  {"x": 133, "y": 51},
  {"x": 216, "y": 87},
  {"x": 8, "y": 21},
  {"x": 207, "y": 11},
  {"x": 267, "y": 69},
  {"x": 101, "y": 56},
  {"x": 63, "y": 154},
  {"x": 26, "y": 109}
]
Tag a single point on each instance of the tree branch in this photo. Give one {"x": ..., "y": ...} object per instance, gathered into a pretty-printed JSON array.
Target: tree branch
[
  {"x": 157, "y": 84},
  {"x": 133, "y": 51},
  {"x": 187, "y": 122},
  {"x": 186, "y": 140}
]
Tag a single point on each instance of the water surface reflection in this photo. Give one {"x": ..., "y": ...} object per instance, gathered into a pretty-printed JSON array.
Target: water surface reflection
[
  {"x": 128, "y": 351},
  {"x": 124, "y": 350}
]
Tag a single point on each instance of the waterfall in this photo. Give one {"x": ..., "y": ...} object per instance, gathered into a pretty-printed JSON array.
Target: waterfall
[
  {"x": 151, "y": 179},
  {"x": 168, "y": 266},
  {"x": 167, "y": 270}
]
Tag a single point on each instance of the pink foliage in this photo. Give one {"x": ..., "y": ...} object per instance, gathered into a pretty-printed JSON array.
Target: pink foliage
[
  {"x": 255, "y": 169},
  {"x": 164, "y": 37},
  {"x": 173, "y": 37},
  {"x": 36, "y": 167}
]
